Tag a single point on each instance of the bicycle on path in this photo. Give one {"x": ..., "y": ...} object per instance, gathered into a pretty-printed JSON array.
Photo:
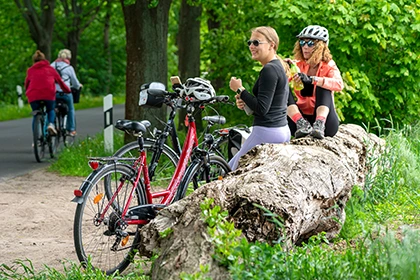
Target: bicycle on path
[
  {"x": 61, "y": 111},
  {"x": 42, "y": 138},
  {"x": 116, "y": 199}
]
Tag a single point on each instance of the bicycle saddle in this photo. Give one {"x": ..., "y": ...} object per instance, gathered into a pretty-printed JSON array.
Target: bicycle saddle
[{"x": 132, "y": 127}]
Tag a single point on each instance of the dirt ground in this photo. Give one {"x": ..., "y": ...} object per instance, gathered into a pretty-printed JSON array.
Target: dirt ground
[{"x": 36, "y": 215}]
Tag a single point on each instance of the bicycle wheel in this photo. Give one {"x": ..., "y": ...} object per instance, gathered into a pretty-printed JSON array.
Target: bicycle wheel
[
  {"x": 161, "y": 165},
  {"x": 52, "y": 144},
  {"x": 38, "y": 137},
  {"x": 61, "y": 131},
  {"x": 58, "y": 137},
  {"x": 108, "y": 244},
  {"x": 52, "y": 141},
  {"x": 195, "y": 175}
]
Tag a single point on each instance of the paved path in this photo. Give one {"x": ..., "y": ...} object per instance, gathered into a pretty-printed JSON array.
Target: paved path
[{"x": 16, "y": 153}]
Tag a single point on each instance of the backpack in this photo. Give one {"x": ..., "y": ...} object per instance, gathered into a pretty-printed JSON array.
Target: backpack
[
  {"x": 59, "y": 71},
  {"x": 237, "y": 137}
]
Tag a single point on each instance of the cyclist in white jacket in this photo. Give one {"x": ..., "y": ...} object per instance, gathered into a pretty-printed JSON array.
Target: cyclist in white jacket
[{"x": 67, "y": 73}]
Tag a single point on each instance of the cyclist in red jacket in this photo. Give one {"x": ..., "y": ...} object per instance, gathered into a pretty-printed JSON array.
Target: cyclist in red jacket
[
  {"x": 320, "y": 77},
  {"x": 40, "y": 86}
]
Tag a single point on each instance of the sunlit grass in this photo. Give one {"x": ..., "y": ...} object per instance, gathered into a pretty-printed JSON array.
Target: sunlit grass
[
  {"x": 24, "y": 269},
  {"x": 73, "y": 160},
  {"x": 13, "y": 112},
  {"x": 379, "y": 240}
]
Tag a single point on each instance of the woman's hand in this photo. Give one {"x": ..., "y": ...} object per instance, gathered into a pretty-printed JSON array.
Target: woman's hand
[
  {"x": 235, "y": 83},
  {"x": 304, "y": 78},
  {"x": 239, "y": 102}
]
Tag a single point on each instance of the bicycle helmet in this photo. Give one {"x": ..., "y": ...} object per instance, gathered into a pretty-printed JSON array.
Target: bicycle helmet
[
  {"x": 314, "y": 32},
  {"x": 199, "y": 88}
]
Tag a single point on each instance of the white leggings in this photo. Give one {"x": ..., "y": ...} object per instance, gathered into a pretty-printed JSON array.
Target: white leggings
[{"x": 259, "y": 135}]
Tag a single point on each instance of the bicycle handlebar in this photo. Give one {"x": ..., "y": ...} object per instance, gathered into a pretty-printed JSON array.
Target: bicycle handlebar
[
  {"x": 162, "y": 93},
  {"x": 222, "y": 98},
  {"x": 178, "y": 92}
]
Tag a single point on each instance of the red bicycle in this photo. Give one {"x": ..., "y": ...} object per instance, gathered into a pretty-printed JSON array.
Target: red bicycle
[{"x": 116, "y": 199}]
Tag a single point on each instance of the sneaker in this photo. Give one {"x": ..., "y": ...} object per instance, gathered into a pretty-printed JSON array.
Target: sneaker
[
  {"x": 72, "y": 133},
  {"x": 303, "y": 128},
  {"x": 51, "y": 129},
  {"x": 319, "y": 128}
]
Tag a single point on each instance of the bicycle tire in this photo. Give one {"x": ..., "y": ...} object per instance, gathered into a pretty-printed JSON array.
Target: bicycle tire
[
  {"x": 222, "y": 149},
  {"x": 58, "y": 135},
  {"x": 61, "y": 131},
  {"x": 38, "y": 138},
  {"x": 99, "y": 244},
  {"x": 53, "y": 141},
  {"x": 164, "y": 166},
  {"x": 194, "y": 175},
  {"x": 52, "y": 145}
]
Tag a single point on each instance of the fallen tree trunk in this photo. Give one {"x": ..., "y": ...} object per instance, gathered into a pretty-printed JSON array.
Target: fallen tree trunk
[{"x": 307, "y": 183}]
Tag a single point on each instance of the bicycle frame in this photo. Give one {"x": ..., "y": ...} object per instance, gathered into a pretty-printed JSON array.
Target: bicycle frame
[
  {"x": 141, "y": 161},
  {"x": 191, "y": 141},
  {"x": 141, "y": 166}
]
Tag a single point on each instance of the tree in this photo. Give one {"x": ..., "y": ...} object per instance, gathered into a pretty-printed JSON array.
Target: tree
[
  {"x": 146, "y": 46},
  {"x": 107, "y": 48},
  {"x": 188, "y": 41},
  {"x": 40, "y": 22},
  {"x": 376, "y": 46},
  {"x": 79, "y": 15}
]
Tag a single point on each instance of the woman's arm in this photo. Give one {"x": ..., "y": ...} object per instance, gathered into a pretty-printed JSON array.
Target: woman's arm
[
  {"x": 332, "y": 80},
  {"x": 267, "y": 83}
]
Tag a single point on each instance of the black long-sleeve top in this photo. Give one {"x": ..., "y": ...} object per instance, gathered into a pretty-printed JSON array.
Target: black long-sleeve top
[{"x": 269, "y": 101}]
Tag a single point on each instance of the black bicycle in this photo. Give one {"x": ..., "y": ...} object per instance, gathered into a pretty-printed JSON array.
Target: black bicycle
[
  {"x": 41, "y": 137},
  {"x": 61, "y": 112}
]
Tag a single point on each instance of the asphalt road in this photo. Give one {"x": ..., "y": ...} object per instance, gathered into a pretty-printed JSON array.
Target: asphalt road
[{"x": 16, "y": 153}]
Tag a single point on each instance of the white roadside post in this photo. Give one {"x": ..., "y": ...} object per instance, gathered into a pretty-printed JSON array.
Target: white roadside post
[
  {"x": 19, "y": 91},
  {"x": 108, "y": 124}
]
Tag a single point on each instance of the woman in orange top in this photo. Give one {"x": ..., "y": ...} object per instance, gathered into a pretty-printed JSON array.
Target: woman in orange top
[{"x": 321, "y": 77}]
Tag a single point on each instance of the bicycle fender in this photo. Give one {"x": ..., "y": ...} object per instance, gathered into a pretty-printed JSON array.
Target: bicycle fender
[
  {"x": 83, "y": 187},
  {"x": 88, "y": 181}
]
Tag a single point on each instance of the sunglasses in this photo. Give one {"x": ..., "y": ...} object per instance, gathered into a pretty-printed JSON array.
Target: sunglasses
[
  {"x": 310, "y": 43},
  {"x": 255, "y": 42}
]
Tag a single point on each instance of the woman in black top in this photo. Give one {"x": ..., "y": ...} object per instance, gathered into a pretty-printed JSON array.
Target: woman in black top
[{"x": 268, "y": 103}]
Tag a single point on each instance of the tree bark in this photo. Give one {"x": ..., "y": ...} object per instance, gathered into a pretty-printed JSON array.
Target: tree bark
[
  {"x": 147, "y": 61},
  {"x": 188, "y": 41},
  {"x": 41, "y": 26},
  {"x": 307, "y": 183},
  {"x": 213, "y": 25},
  {"x": 79, "y": 16},
  {"x": 107, "y": 49}
]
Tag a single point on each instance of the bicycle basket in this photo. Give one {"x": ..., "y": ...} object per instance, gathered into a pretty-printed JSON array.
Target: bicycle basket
[
  {"x": 145, "y": 99},
  {"x": 76, "y": 94},
  {"x": 237, "y": 137}
]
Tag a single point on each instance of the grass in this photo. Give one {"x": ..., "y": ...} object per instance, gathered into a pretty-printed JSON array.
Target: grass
[
  {"x": 73, "y": 160},
  {"x": 380, "y": 239},
  {"x": 13, "y": 112},
  {"x": 23, "y": 269}
]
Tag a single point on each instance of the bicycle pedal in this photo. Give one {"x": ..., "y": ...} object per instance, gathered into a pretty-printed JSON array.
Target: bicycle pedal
[{"x": 144, "y": 212}]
